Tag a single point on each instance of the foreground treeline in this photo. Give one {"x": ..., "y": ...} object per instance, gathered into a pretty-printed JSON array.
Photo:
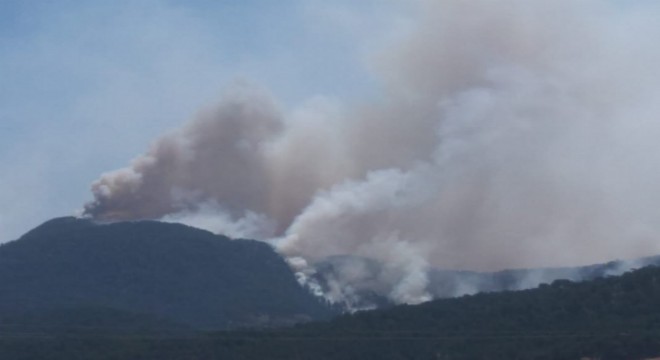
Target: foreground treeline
[{"x": 609, "y": 318}]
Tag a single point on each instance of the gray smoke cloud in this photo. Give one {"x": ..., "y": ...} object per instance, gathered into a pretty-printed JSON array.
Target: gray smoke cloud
[{"x": 509, "y": 134}]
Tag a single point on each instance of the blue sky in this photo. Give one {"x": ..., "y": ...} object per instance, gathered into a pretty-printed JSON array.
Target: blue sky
[{"x": 86, "y": 85}]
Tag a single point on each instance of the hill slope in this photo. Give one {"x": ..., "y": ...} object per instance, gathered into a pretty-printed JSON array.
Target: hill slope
[
  {"x": 608, "y": 318},
  {"x": 168, "y": 271},
  {"x": 363, "y": 281}
]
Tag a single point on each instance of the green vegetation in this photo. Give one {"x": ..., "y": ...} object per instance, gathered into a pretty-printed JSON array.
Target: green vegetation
[
  {"x": 71, "y": 289},
  {"x": 608, "y": 318},
  {"x": 168, "y": 273}
]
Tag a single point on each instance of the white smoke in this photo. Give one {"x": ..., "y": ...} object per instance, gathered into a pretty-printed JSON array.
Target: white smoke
[
  {"x": 213, "y": 217},
  {"x": 509, "y": 134}
]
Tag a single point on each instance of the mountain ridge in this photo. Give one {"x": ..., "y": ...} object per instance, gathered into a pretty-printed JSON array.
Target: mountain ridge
[{"x": 174, "y": 271}]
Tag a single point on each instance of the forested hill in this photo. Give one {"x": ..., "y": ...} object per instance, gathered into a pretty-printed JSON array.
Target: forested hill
[
  {"x": 444, "y": 283},
  {"x": 169, "y": 273},
  {"x": 608, "y": 318}
]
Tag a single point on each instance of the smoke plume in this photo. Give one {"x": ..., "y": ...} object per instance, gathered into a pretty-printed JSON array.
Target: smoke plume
[{"x": 509, "y": 134}]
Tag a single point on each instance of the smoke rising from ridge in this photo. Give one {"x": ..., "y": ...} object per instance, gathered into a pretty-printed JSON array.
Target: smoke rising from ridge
[{"x": 509, "y": 134}]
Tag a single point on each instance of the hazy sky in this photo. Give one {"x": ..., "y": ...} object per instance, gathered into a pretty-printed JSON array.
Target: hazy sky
[
  {"x": 86, "y": 85},
  {"x": 459, "y": 134}
]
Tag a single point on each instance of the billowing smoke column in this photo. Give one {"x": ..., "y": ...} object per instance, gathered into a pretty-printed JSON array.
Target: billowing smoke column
[{"x": 510, "y": 134}]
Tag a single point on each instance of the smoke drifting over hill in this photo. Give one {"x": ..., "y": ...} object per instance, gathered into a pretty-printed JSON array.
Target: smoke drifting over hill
[{"x": 509, "y": 134}]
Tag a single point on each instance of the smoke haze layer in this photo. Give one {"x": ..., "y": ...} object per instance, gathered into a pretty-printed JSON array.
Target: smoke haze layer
[{"x": 509, "y": 134}]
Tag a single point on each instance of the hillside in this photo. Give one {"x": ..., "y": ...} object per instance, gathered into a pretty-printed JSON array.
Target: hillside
[
  {"x": 363, "y": 288},
  {"x": 75, "y": 289},
  {"x": 169, "y": 273},
  {"x": 607, "y": 318}
]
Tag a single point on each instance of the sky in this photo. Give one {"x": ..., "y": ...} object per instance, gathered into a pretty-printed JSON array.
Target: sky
[
  {"x": 474, "y": 135},
  {"x": 460, "y": 132},
  {"x": 87, "y": 85}
]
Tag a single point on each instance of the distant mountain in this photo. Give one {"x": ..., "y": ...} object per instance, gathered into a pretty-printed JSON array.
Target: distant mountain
[{"x": 165, "y": 274}]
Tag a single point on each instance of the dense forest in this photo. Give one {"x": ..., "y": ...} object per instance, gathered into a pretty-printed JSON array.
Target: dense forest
[{"x": 607, "y": 318}]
